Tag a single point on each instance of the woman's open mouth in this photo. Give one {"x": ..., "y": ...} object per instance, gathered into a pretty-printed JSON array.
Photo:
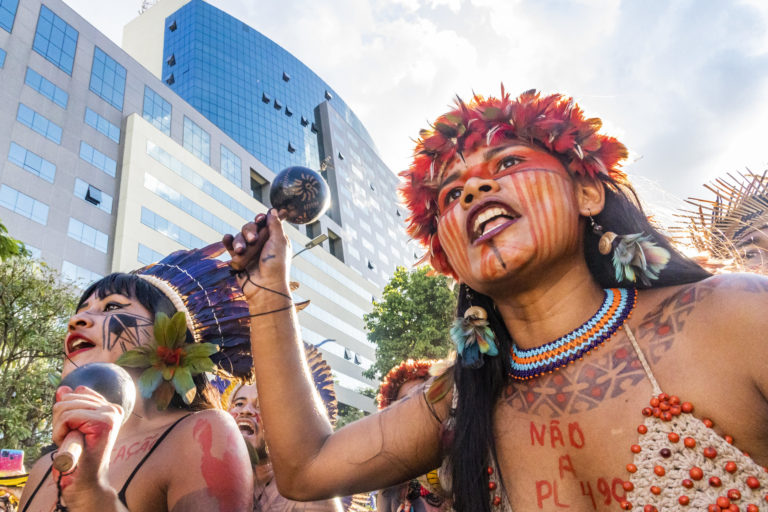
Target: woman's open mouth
[
  {"x": 77, "y": 343},
  {"x": 489, "y": 220}
]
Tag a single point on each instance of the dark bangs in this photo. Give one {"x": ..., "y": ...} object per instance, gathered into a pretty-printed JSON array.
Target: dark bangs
[{"x": 130, "y": 285}]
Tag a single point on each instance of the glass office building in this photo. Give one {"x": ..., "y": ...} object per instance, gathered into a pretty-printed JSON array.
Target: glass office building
[
  {"x": 103, "y": 167},
  {"x": 282, "y": 113}
]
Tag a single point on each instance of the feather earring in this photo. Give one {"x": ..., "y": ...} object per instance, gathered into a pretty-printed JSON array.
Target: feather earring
[
  {"x": 634, "y": 256},
  {"x": 473, "y": 337}
]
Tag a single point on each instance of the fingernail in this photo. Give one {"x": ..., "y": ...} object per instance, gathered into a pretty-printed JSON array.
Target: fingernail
[{"x": 250, "y": 237}]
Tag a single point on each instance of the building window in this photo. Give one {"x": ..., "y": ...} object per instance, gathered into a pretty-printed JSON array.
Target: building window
[
  {"x": 335, "y": 246},
  {"x": 93, "y": 195},
  {"x": 286, "y": 77},
  {"x": 147, "y": 255},
  {"x": 23, "y": 205},
  {"x": 78, "y": 274},
  {"x": 39, "y": 123},
  {"x": 288, "y": 111},
  {"x": 304, "y": 121},
  {"x": 259, "y": 187},
  {"x": 107, "y": 78},
  {"x": 157, "y": 111},
  {"x": 197, "y": 141},
  {"x": 170, "y": 80},
  {"x": 55, "y": 40},
  {"x": 31, "y": 162},
  {"x": 186, "y": 205},
  {"x": 291, "y": 149},
  {"x": 171, "y": 61},
  {"x": 8, "y": 13},
  {"x": 265, "y": 98},
  {"x": 88, "y": 235},
  {"x": 101, "y": 125},
  {"x": 169, "y": 229},
  {"x": 314, "y": 128},
  {"x": 47, "y": 88},
  {"x": 313, "y": 230},
  {"x": 231, "y": 166},
  {"x": 98, "y": 159},
  {"x": 2, "y": 58},
  {"x": 278, "y": 105},
  {"x": 328, "y": 95},
  {"x": 172, "y": 27},
  {"x": 370, "y": 265}
]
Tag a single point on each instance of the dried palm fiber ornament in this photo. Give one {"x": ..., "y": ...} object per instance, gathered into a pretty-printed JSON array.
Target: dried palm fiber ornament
[
  {"x": 554, "y": 122},
  {"x": 720, "y": 226}
]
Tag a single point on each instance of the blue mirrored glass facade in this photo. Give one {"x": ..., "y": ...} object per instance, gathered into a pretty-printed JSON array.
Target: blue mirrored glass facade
[
  {"x": 8, "y": 13},
  {"x": 108, "y": 78},
  {"x": 55, "y": 40},
  {"x": 255, "y": 91},
  {"x": 2, "y": 58}
]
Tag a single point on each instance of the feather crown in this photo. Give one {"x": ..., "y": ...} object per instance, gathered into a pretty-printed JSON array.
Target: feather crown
[
  {"x": 406, "y": 371},
  {"x": 554, "y": 122},
  {"x": 202, "y": 287}
]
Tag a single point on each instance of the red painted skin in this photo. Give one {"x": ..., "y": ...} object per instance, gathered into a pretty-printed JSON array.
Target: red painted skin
[{"x": 217, "y": 470}]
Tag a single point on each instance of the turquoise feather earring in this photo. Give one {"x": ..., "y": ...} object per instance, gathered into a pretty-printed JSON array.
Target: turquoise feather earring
[
  {"x": 473, "y": 336},
  {"x": 635, "y": 256}
]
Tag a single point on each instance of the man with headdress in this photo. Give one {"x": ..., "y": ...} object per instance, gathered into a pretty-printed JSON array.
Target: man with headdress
[
  {"x": 242, "y": 401},
  {"x": 597, "y": 367}
]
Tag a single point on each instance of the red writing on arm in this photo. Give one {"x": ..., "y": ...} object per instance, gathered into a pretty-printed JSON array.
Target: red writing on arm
[
  {"x": 540, "y": 434},
  {"x": 218, "y": 471}
]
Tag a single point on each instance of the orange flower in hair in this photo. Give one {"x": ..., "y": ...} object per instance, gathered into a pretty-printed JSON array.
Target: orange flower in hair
[{"x": 555, "y": 123}]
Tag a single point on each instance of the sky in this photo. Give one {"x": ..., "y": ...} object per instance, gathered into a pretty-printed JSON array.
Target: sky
[{"x": 682, "y": 83}]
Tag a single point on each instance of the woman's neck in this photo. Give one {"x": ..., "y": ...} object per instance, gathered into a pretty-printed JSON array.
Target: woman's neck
[{"x": 558, "y": 303}]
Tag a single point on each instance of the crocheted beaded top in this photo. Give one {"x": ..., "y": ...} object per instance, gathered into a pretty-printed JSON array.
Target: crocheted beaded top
[{"x": 680, "y": 463}]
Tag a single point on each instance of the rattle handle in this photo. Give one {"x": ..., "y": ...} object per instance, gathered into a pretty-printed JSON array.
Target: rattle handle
[{"x": 69, "y": 452}]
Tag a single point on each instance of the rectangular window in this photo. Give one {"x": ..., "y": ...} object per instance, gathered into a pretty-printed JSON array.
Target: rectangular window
[
  {"x": 7, "y": 14},
  {"x": 259, "y": 187},
  {"x": 31, "y": 162},
  {"x": 231, "y": 166},
  {"x": 197, "y": 141},
  {"x": 93, "y": 195},
  {"x": 39, "y": 123},
  {"x": 79, "y": 274},
  {"x": 107, "y": 78},
  {"x": 47, "y": 88},
  {"x": 23, "y": 205},
  {"x": 334, "y": 242},
  {"x": 147, "y": 255},
  {"x": 55, "y": 40},
  {"x": 187, "y": 205},
  {"x": 88, "y": 235},
  {"x": 157, "y": 111},
  {"x": 176, "y": 166},
  {"x": 169, "y": 229},
  {"x": 2, "y": 58},
  {"x": 101, "y": 124},
  {"x": 97, "y": 159}
]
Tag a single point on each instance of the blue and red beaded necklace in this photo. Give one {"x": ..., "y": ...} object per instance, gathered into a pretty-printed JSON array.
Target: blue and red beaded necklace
[{"x": 615, "y": 310}]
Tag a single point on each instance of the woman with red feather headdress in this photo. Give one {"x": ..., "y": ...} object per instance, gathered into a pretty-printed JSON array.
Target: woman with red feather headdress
[{"x": 597, "y": 368}]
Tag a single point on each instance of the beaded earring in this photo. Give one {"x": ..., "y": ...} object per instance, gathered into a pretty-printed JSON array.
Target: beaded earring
[
  {"x": 473, "y": 336},
  {"x": 634, "y": 255}
]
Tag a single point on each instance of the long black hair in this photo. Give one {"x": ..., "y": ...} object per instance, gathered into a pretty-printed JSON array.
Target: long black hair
[
  {"x": 474, "y": 443},
  {"x": 131, "y": 285}
]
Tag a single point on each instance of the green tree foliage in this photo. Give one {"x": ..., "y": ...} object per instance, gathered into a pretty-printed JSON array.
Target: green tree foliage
[
  {"x": 34, "y": 308},
  {"x": 9, "y": 246},
  {"x": 412, "y": 320}
]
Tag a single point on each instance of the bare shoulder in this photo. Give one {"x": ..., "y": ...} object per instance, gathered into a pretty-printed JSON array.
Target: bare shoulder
[
  {"x": 209, "y": 449},
  {"x": 36, "y": 474}
]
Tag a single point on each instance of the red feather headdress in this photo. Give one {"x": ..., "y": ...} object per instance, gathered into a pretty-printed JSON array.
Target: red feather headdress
[
  {"x": 554, "y": 122},
  {"x": 404, "y": 372}
]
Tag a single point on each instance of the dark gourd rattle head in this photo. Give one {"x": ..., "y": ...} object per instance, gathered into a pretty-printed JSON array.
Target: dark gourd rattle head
[{"x": 302, "y": 193}]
